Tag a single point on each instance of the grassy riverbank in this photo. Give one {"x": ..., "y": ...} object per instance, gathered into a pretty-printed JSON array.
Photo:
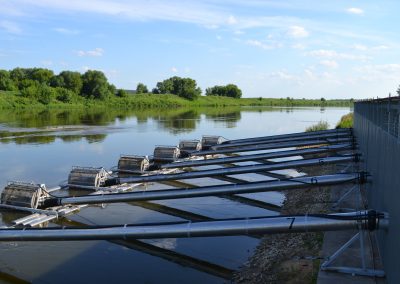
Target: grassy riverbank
[
  {"x": 346, "y": 121},
  {"x": 13, "y": 100}
]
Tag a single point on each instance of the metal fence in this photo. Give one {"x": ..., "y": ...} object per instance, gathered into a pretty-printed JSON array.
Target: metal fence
[{"x": 376, "y": 126}]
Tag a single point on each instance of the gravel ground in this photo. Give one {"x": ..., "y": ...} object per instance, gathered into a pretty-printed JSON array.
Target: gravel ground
[{"x": 290, "y": 258}]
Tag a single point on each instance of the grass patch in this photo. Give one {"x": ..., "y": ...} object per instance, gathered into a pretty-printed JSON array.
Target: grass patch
[
  {"x": 346, "y": 121},
  {"x": 322, "y": 125}
]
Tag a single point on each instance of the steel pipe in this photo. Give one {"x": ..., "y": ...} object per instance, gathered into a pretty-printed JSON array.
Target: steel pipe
[
  {"x": 291, "y": 135},
  {"x": 256, "y": 157},
  {"x": 281, "y": 140},
  {"x": 271, "y": 146},
  {"x": 235, "y": 170},
  {"x": 225, "y": 227},
  {"x": 263, "y": 186}
]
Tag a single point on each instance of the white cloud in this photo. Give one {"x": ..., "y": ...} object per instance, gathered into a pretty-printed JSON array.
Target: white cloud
[
  {"x": 232, "y": 20},
  {"x": 285, "y": 76},
  {"x": 66, "y": 31},
  {"x": 95, "y": 52},
  {"x": 298, "y": 32},
  {"x": 359, "y": 47},
  {"x": 10, "y": 27},
  {"x": 380, "y": 47},
  {"x": 260, "y": 44},
  {"x": 379, "y": 72},
  {"x": 174, "y": 70},
  {"x": 218, "y": 37},
  {"x": 299, "y": 46},
  {"x": 325, "y": 53},
  {"x": 238, "y": 32},
  {"x": 329, "y": 63},
  {"x": 355, "y": 11}
]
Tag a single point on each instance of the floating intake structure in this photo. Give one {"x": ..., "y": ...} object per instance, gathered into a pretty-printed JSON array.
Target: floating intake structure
[
  {"x": 133, "y": 163},
  {"x": 207, "y": 141},
  {"x": 23, "y": 194},
  {"x": 190, "y": 145},
  {"x": 165, "y": 154},
  {"x": 87, "y": 176}
]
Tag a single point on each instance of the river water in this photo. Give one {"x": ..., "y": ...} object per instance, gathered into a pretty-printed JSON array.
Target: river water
[{"x": 43, "y": 146}]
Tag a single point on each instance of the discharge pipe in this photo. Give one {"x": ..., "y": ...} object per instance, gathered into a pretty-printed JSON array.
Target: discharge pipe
[
  {"x": 367, "y": 220},
  {"x": 263, "y": 186}
]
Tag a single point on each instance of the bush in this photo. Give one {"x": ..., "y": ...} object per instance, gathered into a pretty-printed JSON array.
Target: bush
[
  {"x": 46, "y": 94},
  {"x": 322, "y": 125},
  {"x": 346, "y": 121},
  {"x": 141, "y": 89},
  {"x": 182, "y": 87},
  {"x": 121, "y": 93},
  {"x": 64, "y": 95},
  {"x": 229, "y": 90}
]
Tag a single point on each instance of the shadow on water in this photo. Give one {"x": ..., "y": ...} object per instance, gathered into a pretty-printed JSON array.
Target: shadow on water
[{"x": 46, "y": 126}]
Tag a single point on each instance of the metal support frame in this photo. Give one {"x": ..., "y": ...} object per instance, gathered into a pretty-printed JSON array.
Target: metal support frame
[
  {"x": 363, "y": 270},
  {"x": 344, "y": 196}
]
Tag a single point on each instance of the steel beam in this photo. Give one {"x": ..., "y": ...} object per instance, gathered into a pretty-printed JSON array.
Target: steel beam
[
  {"x": 271, "y": 146},
  {"x": 258, "y": 157},
  {"x": 281, "y": 140},
  {"x": 263, "y": 186},
  {"x": 235, "y": 170},
  {"x": 292, "y": 135}
]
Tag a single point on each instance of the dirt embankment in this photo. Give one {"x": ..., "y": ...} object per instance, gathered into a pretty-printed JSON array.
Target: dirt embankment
[{"x": 290, "y": 258}]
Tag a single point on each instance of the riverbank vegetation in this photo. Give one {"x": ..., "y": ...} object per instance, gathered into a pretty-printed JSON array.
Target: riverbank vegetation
[
  {"x": 41, "y": 88},
  {"x": 346, "y": 121},
  {"x": 322, "y": 125}
]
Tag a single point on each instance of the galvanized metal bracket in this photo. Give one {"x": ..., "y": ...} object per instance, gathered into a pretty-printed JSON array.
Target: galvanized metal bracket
[{"x": 363, "y": 270}]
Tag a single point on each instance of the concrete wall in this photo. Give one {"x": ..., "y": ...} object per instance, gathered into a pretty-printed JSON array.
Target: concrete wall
[{"x": 376, "y": 126}]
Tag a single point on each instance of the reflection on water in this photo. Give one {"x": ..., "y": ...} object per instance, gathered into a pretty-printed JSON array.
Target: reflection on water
[
  {"x": 42, "y": 146},
  {"x": 42, "y": 127}
]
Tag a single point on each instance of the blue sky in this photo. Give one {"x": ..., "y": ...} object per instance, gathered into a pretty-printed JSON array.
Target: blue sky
[{"x": 300, "y": 49}]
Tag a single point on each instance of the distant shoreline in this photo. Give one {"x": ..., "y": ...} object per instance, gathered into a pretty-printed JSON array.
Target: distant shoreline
[{"x": 13, "y": 100}]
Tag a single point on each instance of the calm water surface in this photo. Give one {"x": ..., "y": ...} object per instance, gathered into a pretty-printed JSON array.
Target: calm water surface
[{"x": 43, "y": 146}]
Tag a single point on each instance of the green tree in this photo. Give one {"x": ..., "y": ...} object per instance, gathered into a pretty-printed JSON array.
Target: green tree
[
  {"x": 71, "y": 81},
  {"x": 64, "y": 95},
  {"x": 46, "y": 94},
  {"x": 41, "y": 75},
  {"x": 18, "y": 74},
  {"x": 121, "y": 93},
  {"x": 6, "y": 83},
  {"x": 29, "y": 88},
  {"x": 233, "y": 91},
  {"x": 229, "y": 90},
  {"x": 95, "y": 85},
  {"x": 57, "y": 81},
  {"x": 182, "y": 87},
  {"x": 141, "y": 89}
]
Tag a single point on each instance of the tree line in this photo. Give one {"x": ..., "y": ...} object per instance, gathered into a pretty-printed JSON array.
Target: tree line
[{"x": 68, "y": 86}]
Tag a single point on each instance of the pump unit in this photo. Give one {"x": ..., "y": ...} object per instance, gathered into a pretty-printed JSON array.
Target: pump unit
[
  {"x": 133, "y": 163},
  {"x": 23, "y": 194},
  {"x": 163, "y": 154},
  {"x": 190, "y": 145},
  {"x": 87, "y": 176},
  {"x": 208, "y": 141}
]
